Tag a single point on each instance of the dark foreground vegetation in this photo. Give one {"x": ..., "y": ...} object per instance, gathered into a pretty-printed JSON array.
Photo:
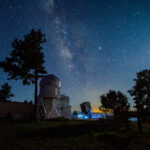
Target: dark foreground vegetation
[{"x": 74, "y": 135}]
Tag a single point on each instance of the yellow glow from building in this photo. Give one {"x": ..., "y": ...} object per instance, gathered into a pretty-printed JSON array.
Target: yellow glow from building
[
  {"x": 103, "y": 110},
  {"x": 96, "y": 110}
]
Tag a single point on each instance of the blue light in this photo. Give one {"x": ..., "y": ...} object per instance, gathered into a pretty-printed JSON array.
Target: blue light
[
  {"x": 90, "y": 115},
  {"x": 133, "y": 119},
  {"x": 85, "y": 117}
]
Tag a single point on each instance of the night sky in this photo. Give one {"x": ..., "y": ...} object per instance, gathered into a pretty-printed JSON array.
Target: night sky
[{"x": 92, "y": 45}]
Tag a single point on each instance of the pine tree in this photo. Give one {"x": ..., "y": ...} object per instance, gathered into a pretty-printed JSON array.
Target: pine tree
[
  {"x": 141, "y": 94},
  {"x": 26, "y": 60},
  {"x": 5, "y": 92}
]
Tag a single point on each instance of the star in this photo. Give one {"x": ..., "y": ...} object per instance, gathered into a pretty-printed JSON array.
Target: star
[{"x": 100, "y": 47}]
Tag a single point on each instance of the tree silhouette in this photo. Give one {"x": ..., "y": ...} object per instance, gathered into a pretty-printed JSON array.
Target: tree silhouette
[
  {"x": 141, "y": 91},
  {"x": 116, "y": 101},
  {"x": 5, "y": 92},
  {"x": 26, "y": 60},
  {"x": 141, "y": 94},
  {"x": 75, "y": 112},
  {"x": 25, "y": 101}
]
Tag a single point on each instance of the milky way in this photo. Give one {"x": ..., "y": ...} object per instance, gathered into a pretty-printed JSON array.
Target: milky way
[{"x": 92, "y": 45}]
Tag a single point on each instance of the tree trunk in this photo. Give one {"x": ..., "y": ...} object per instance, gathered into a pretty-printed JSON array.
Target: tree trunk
[
  {"x": 35, "y": 95},
  {"x": 139, "y": 123},
  {"x": 127, "y": 121}
]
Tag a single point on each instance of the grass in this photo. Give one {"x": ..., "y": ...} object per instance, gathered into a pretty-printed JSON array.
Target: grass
[{"x": 72, "y": 135}]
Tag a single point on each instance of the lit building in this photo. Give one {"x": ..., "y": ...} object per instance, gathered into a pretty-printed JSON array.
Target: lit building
[
  {"x": 93, "y": 114},
  {"x": 51, "y": 104}
]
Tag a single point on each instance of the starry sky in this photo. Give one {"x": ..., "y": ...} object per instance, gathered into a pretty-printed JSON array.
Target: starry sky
[{"x": 92, "y": 45}]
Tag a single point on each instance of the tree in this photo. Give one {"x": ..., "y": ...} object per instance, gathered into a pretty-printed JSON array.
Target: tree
[
  {"x": 75, "y": 112},
  {"x": 141, "y": 94},
  {"x": 116, "y": 101},
  {"x": 30, "y": 102},
  {"x": 26, "y": 60},
  {"x": 141, "y": 91},
  {"x": 25, "y": 101},
  {"x": 5, "y": 92}
]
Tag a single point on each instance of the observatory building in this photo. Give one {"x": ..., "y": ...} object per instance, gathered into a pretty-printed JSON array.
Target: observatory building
[{"x": 51, "y": 104}]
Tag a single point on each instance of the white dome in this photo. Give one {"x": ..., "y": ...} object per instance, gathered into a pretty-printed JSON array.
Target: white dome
[
  {"x": 50, "y": 86},
  {"x": 50, "y": 79}
]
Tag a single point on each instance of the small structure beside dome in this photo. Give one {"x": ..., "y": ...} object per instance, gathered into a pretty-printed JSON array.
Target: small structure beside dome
[{"x": 51, "y": 104}]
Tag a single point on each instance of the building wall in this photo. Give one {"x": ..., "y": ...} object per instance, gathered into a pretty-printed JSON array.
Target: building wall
[
  {"x": 56, "y": 107},
  {"x": 63, "y": 107},
  {"x": 15, "y": 109}
]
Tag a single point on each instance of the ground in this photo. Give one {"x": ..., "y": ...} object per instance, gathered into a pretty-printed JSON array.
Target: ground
[{"x": 74, "y": 135}]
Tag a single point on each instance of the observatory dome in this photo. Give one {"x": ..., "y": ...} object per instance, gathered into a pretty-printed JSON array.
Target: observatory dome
[
  {"x": 50, "y": 80},
  {"x": 50, "y": 86}
]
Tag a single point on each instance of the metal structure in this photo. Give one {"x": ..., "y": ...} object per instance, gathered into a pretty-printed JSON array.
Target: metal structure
[
  {"x": 51, "y": 103},
  {"x": 85, "y": 107}
]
